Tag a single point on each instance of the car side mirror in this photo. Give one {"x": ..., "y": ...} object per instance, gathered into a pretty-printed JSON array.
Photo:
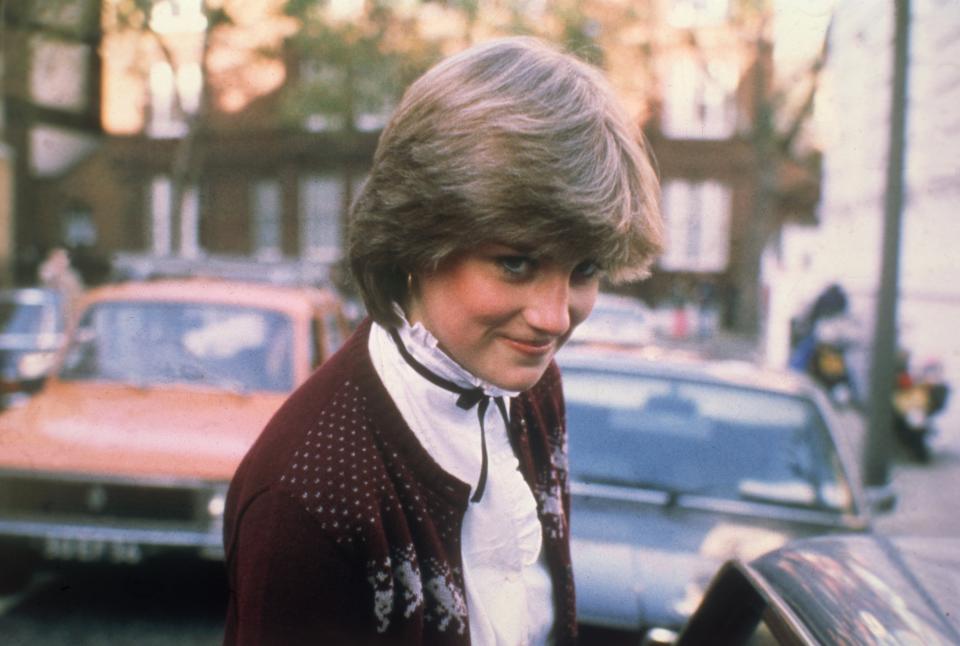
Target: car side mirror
[{"x": 881, "y": 499}]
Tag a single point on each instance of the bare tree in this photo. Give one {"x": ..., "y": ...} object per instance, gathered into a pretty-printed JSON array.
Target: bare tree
[{"x": 141, "y": 17}]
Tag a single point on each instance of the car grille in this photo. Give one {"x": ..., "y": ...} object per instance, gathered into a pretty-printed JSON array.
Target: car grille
[{"x": 41, "y": 498}]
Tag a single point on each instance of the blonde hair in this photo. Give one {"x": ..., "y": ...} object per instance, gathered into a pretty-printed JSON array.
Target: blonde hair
[{"x": 509, "y": 141}]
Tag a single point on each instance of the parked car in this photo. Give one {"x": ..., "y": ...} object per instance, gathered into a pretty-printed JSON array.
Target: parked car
[
  {"x": 679, "y": 464},
  {"x": 616, "y": 321},
  {"x": 32, "y": 323},
  {"x": 836, "y": 590},
  {"x": 128, "y": 449}
]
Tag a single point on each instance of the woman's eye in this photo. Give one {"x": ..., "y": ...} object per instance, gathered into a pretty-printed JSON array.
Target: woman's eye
[
  {"x": 516, "y": 265},
  {"x": 586, "y": 269}
]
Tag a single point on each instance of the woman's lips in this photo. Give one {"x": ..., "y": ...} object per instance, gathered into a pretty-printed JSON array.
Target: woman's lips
[{"x": 533, "y": 348}]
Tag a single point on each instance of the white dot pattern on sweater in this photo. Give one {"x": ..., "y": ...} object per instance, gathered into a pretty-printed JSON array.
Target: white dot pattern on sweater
[
  {"x": 337, "y": 472},
  {"x": 341, "y": 477},
  {"x": 344, "y": 475}
]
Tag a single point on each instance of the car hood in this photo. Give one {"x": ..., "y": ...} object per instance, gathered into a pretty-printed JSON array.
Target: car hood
[
  {"x": 640, "y": 564},
  {"x": 120, "y": 430}
]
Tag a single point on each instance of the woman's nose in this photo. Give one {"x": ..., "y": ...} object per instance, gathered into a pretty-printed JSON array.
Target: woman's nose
[{"x": 549, "y": 308}]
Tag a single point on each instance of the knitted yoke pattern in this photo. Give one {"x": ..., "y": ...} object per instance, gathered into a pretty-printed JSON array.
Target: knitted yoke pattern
[{"x": 340, "y": 527}]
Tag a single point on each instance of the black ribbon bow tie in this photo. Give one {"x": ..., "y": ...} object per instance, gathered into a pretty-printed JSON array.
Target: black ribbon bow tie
[{"x": 468, "y": 398}]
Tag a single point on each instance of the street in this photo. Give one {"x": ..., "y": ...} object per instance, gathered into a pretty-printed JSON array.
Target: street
[{"x": 151, "y": 605}]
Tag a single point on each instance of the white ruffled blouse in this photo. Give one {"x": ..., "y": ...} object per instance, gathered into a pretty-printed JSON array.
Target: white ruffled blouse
[{"x": 508, "y": 586}]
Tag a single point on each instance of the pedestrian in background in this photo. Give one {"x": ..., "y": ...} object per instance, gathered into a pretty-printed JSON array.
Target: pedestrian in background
[
  {"x": 56, "y": 272},
  {"x": 414, "y": 490}
]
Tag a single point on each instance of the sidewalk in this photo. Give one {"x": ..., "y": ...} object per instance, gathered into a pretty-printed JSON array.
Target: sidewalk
[
  {"x": 927, "y": 497},
  {"x": 928, "y": 502}
]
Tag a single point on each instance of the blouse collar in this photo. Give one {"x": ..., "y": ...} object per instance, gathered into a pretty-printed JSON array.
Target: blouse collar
[{"x": 425, "y": 348}]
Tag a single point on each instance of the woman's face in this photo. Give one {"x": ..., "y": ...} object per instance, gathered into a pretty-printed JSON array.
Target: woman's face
[{"x": 501, "y": 313}]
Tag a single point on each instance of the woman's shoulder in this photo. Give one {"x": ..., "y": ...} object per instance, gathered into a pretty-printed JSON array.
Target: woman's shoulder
[
  {"x": 347, "y": 381},
  {"x": 334, "y": 406},
  {"x": 321, "y": 450}
]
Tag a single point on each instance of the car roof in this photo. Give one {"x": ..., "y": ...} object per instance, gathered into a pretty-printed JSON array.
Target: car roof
[
  {"x": 654, "y": 361},
  {"x": 212, "y": 290},
  {"x": 842, "y": 588},
  {"x": 907, "y": 581}
]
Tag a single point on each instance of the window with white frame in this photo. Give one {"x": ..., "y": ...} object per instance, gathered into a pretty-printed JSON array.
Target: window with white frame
[
  {"x": 697, "y": 218},
  {"x": 160, "y": 201},
  {"x": 190, "y": 223},
  {"x": 321, "y": 206},
  {"x": 700, "y": 98},
  {"x": 267, "y": 205},
  {"x": 161, "y": 219}
]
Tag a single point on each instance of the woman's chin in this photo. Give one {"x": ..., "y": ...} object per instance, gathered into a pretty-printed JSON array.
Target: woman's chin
[{"x": 517, "y": 379}]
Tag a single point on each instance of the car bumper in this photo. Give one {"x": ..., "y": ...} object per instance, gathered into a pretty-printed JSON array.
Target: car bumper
[
  {"x": 76, "y": 517},
  {"x": 89, "y": 542}
]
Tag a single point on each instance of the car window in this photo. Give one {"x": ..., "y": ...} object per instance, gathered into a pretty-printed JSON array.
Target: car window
[
  {"x": 693, "y": 437},
  {"x": 27, "y": 318},
  {"x": 145, "y": 344}
]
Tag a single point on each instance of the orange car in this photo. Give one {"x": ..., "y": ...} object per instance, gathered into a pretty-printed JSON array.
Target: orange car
[{"x": 162, "y": 386}]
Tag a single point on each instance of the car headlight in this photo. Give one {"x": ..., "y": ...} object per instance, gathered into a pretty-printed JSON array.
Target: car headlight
[
  {"x": 33, "y": 365},
  {"x": 216, "y": 504}
]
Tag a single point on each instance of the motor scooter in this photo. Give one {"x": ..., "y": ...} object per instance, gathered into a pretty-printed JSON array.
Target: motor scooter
[
  {"x": 828, "y": 367},
  {"x": 822, "y": 354},
  {"x": 916, "y": 400}
]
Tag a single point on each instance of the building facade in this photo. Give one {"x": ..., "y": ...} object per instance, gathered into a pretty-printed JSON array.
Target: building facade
[
  {"x": 853, "y": 114},
  {"x": 241, "y": 180},
  {"x": 51, "y": 118}
]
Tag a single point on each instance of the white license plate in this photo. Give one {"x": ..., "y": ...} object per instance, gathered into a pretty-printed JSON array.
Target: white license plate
[{"x": 79, "y": 549}]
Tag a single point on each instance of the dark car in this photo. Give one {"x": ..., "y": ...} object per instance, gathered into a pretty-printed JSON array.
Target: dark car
[
  {"x": 32, "y": 323},
  {"x": 678, "y": 465},
  {"x": 836, "y": 590}
]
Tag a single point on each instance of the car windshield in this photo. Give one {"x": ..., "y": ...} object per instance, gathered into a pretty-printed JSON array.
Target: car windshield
[
  {"x": 692, "y": 437},
  {"x": 145, "y": 344}
]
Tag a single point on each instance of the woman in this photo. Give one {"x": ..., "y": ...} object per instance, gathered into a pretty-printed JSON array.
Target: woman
[{"x": 414, "y": 489}]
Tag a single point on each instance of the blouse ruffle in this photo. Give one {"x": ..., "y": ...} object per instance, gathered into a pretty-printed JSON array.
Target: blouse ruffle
[{"x": 508, "y": 586}]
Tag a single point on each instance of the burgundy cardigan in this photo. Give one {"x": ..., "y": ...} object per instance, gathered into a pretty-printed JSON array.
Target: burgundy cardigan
[{"x": 340, "y": 528}]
